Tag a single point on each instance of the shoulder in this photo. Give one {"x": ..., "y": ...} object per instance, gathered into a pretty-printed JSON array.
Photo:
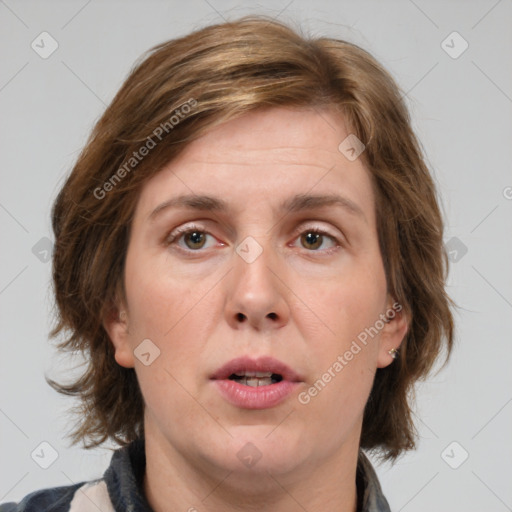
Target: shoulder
[
  {"x": 62, "y": 499},
  {"x": 56, "y": 499}
]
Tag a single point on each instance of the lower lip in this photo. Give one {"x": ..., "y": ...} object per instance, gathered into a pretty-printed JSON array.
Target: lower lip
[{"x": 261, "y": 397}]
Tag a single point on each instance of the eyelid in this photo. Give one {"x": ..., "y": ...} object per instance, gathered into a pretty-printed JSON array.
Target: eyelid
[
  {"x": 316, "y": 228},
  {"x": 175, "y": 234},
  {"x": 313, "y": 227}
]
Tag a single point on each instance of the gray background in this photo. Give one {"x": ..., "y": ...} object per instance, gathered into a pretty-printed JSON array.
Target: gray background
[{"x": 462, "y": 112}]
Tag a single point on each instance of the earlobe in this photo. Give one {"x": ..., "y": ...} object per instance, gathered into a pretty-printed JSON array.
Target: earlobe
[
  {"x": 116, "y": 325},
  {"x": 392, "y": 335}
]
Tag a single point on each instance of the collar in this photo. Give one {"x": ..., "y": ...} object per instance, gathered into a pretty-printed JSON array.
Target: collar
[{"x": 369, "y": 492}]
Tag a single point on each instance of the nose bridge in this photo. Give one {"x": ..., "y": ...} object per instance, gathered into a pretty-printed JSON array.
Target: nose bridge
[
  {"x": 256, "y": 295},
  {"x": 253, "y": 263}
]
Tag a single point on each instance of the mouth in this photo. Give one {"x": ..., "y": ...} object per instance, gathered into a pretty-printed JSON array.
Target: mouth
[
  {"x": 256, "y": 379},
  {"x": 259, "y": 383},
  {"x": 263, "y": 371}
]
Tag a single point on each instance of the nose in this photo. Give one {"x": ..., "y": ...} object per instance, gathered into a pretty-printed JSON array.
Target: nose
[{"x": 257, "y": 293}]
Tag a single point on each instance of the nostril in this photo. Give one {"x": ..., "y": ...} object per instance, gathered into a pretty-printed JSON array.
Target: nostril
[
  {"x": 240, "y": 317},
  {"x": 272, "y": 316}
]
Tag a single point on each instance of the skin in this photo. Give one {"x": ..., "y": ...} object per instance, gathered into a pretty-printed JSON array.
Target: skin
[{"x": 302, "y": 301}]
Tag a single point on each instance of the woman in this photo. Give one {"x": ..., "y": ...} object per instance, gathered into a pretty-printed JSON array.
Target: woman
[{"x": 249, "y": 252}]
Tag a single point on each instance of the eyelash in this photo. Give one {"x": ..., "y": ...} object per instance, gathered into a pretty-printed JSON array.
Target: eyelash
[{"x": 177, "y": 234}]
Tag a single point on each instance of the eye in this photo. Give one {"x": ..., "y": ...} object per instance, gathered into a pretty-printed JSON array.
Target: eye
[
  {"x": 315, "y": 239},
  {"x": 191, "y": 238},
  {"x": 195, "y": 239}
]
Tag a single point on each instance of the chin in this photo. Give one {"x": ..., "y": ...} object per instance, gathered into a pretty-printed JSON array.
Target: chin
[{"x": 261, "y": 449}]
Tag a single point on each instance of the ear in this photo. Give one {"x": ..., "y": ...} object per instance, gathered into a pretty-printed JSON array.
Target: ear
[
  {"x": 393, "y": 332},
  {"x": 116, "y": 325}
]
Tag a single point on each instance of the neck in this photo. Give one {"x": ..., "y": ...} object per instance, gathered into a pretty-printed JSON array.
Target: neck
[{"x": 175, "y": 482}]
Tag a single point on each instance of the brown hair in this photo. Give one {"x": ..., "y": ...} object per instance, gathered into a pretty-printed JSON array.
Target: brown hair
[{"x": 222, "y": 72}]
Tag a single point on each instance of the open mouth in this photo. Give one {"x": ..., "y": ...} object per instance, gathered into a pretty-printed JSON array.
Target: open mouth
[
  {"x": 256, "y": 372},
  {"x": 256, "y": 379},
  {"x": 256, "y": 383}
]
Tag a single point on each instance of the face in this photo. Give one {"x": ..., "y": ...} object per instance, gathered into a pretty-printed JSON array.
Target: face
[{"x": 272, "y": 257}]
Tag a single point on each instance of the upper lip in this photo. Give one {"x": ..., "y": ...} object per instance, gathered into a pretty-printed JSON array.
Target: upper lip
[{"x": 261, "y": 364}]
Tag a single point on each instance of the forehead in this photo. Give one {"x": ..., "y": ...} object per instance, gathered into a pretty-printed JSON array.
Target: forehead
[{"x": 267, "y": 156}]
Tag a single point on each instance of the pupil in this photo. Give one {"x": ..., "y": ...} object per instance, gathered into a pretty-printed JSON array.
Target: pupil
[
  {"x": 197, "y": 239},
  {"x": 312, "y": 239}
]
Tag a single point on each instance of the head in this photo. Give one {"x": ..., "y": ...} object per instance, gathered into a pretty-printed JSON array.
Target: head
[{"x": 256, "y": 117}]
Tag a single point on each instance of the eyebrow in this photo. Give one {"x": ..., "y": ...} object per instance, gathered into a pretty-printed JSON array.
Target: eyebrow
[
  {"x": 294, "y": 204},
  {"x": 309, "y": 202}
]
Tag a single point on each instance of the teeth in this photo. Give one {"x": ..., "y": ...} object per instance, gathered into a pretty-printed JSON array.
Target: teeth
[
  {"x": 255, "y": 379},
  {"x": 260, "y": 375},
  {"x": 255, "y": 382}
]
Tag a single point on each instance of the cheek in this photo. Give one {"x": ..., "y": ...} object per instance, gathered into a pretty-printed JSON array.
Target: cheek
[
  {"x": 337, "y": 400},
  {"x": 178, "y": 313},
  {"x": 165, "y": 310},
  {"x": 346, "y": 306},
  {"x": 160, "y": 300},
  {"x": 345, "y": 354}
]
